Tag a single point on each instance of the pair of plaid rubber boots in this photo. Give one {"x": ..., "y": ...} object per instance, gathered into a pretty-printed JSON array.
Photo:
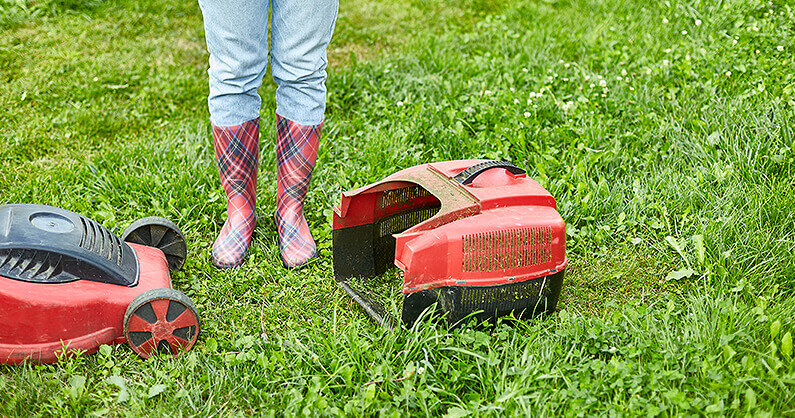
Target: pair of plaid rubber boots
[{"x": 237, "y": 154}]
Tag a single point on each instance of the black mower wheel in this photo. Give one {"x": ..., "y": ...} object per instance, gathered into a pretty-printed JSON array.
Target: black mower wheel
[
  {"x": 161, "y": 321},
  {"x": 162, "y": 234}
]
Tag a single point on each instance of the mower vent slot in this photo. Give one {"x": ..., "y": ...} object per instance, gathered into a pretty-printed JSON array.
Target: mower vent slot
[
  {"x": 509, "y": 249},
  {"x": 30, "y": 265},
  {"x": 400, "y": 197},
  {"x": 505, "y": 298},
  {"x": 405, "y": 220},
  {"x": 98, "y": 239}
]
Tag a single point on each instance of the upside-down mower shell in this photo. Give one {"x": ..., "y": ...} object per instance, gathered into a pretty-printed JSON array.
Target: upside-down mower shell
[{"x": 475, "y": 237}]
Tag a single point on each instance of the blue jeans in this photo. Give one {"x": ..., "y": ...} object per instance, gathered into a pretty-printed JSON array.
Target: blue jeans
[{"x": 237, "y": 38}]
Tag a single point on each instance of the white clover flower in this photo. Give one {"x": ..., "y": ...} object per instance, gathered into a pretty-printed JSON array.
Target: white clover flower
[
  {"x": 780, "y": 48},
  {"x": 532, "y": 95},
  {"x": 399, "y": 103},
  {"x": 515, "y": 101},
  {"x": 667, "y": 50},
  {"x": 631, "y": 88},
  {"x": 591, "y": 85},
  {"x": 469, "y": 109},
  {"x": 527, "y": 114},
  {"x": 624, "y": 73},
  {"x": 684, "y": 32},
  {"x": 549, "y": 79},
  {"x": 567, "y": 106},
  {"x": 420, "y": 370},
  {"x": 587, "y": 78},
  {"x": 602, "y": 83},
  {"x": 698, "y": 22},
  {"x": 524, "y": 70},
  {"x": 567, "y": 65},
  {"x": 665, "y": 20},
  {"x": 619, "y": 78},
  {"x": 487, "y": 92},
  {"x": 648, "y": 71},
  {"x": 665, "y": 63},
  {"x": 512, "y": 90},
  {"x": 535, "y": 106},
  {"x": 734, "y": 42},
  {"x": 755, "y": 28},
  {"x": 728, "y": 73}
]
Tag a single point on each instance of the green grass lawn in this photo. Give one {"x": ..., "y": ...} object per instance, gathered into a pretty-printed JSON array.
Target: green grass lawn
[{"x": 664, "y": 130}]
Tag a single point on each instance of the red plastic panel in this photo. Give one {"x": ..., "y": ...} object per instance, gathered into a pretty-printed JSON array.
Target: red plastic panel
[
  {"x": 38, "y": 320},
  {"x": 497, "y": 246}
]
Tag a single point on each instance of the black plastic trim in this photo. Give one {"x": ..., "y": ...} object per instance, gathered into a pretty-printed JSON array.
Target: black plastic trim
[
  {"x": 468, "y": 175},
  {"x": 449, "y": 304}
]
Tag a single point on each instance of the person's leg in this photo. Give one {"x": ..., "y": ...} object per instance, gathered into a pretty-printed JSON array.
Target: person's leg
[
  {"x": 300, "y": 32},
  {"x": 236, "y": 32}
]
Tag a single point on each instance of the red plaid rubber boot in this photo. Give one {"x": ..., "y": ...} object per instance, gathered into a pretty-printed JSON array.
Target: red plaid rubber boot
[
  {"x": 237, "y": 153},
  {"x": 296, "y": 150}
]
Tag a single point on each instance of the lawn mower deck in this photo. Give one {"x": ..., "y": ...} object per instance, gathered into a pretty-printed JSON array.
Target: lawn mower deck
[
  {"x": 475, "y": 238},
  {"x": 68, "y": 284}
]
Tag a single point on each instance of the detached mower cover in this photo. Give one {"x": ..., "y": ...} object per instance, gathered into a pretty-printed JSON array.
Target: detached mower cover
[{"x": 475, "y": 237}]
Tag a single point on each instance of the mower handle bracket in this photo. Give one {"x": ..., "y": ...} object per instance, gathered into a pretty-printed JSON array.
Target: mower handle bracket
[{"x": 468, "y": 175}]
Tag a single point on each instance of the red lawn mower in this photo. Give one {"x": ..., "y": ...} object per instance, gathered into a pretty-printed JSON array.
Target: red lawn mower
[
  {"x": 475, "y": 238},
  {"x": 68, "y": 284}
]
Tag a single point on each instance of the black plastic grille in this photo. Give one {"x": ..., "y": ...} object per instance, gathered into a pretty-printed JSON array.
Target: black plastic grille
[
  {"x": 30, "y": 265},
  {"x": 405, "y": 220},
  {"x": 525, "y": 299},
  {"x": 399, "y": 197},
  {"x": 516, "y": 296},
  {"x": 98, "y": 239}
]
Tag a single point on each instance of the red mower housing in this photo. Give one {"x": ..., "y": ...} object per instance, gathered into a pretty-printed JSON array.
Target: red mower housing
[
  {"x": 68, "y": 284},
  {"x": 474, "y": 237}
]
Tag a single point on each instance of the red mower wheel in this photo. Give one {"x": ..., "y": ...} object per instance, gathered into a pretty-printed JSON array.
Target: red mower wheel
[{"x": 161, "y": 321}]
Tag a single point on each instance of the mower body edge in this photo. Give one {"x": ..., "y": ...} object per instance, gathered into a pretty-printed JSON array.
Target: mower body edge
[{"x": 40, "y": 322}]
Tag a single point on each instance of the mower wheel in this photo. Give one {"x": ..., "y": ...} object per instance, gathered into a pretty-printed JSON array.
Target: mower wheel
[
  {"x": 161, "y": 321},
  {"x": 162, "y": 234}
]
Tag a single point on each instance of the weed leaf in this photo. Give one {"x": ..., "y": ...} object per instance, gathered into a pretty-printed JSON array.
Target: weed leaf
[
  {"x": 680, "y": 274},
  {"x": 77, "y": 382},
  {"x": 119, "y": 382},
  {"x": 698, "y": 241},
  {"x": 456, "y": 412},
  {"x": 786, "y": 344},
  {"x": 775, "y": 327},
  {"x": 156, "y": 390},
  {"x": 674, "y": 243}
]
